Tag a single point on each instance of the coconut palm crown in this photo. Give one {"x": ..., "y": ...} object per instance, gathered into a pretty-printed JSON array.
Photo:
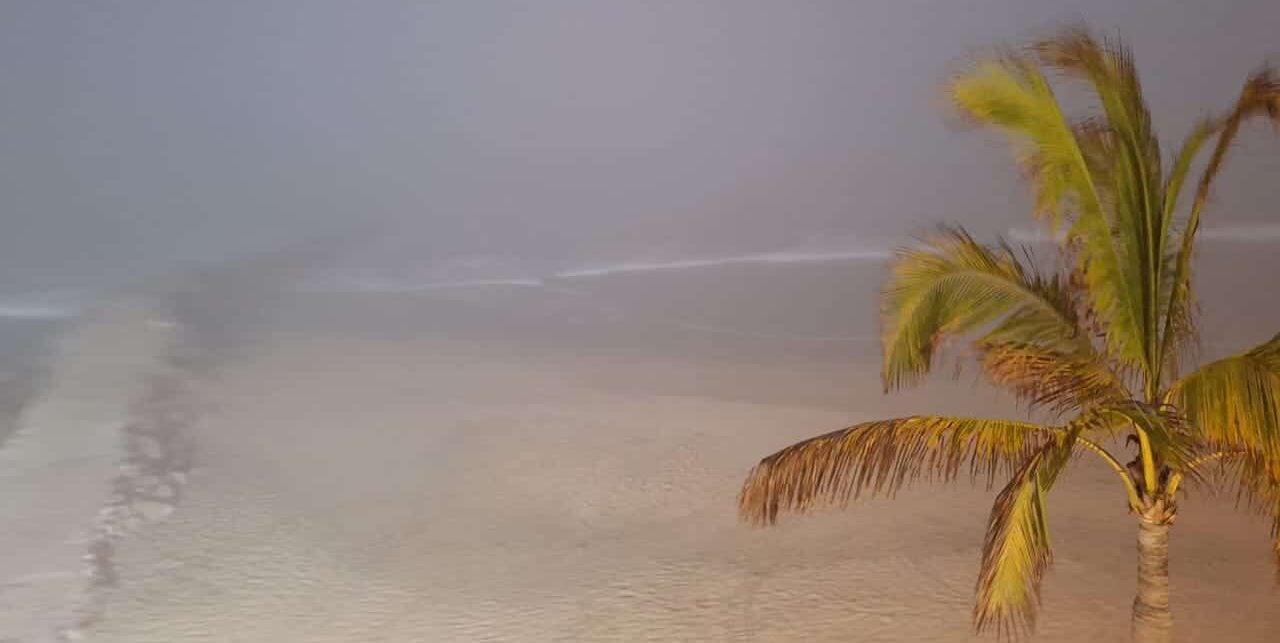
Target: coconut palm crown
[{"x": 1098, "y": 344}]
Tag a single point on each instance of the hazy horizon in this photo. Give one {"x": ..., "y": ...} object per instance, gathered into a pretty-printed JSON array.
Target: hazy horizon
[{"x": 461, "y": 141}]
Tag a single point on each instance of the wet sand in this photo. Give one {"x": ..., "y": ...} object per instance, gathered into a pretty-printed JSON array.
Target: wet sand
[
  {"x": 56, "y": 469},
  {"x": 462, "y": 487},
  {"x": 25, "y": 351}
]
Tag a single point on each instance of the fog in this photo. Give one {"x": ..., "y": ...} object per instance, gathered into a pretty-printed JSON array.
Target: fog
[
  {"x": 458, "y": 321},
  {"x": 498, "y": 140}
]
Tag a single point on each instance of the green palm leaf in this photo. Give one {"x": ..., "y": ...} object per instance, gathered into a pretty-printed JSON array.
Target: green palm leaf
[
  {"x": 1070, "y": 166},
  {"x": 954, "y": 285},
  {"x": 1010, "y": 92},
  {"x": 1126, "y": 172}
]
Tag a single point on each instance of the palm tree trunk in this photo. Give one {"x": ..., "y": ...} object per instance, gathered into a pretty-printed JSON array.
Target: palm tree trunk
[{"x": 1152, "y": 621}]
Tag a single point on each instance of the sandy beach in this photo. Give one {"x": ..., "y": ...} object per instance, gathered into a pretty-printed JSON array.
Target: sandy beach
[{"x": 463, "y": 487}]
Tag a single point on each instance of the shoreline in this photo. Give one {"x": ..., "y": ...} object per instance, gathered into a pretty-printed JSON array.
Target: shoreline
[
  {"x": 17, "y": 391},
  {"x": 156, "y": 461},
  {"x": 57, "y": 466},
  {"x": 28, "y": 348}
]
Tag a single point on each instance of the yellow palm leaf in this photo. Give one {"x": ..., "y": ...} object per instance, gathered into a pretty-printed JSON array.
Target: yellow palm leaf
[
  {"x": 1016, "y": 551},
  {"x": 1235, "y": 402}
]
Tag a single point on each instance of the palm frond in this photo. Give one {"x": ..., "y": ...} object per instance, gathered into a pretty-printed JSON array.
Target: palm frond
[
  {"x": 1046, "y": 377},
  {"x": 881, "y": 457},
  {"x": 1108, "y": 66},
  {"x": 1127, "y": 173},
  {"x": 1069, "y": 165},
  {"x": 1010, "y": 93},
  {"x": 1132, "y": 169},
  {"x": 1055, "y": 317},
  {"x": 1260, "y": 97},
  {"x": 1016, "y": 551},
  {"x": 954, "y": 285},
  {"x": 1255, "y": 481},
  {"x": 1235, "y": 402},
  {"x": 1178, "y": 328},
  {"x": 1200, "y": 135}
]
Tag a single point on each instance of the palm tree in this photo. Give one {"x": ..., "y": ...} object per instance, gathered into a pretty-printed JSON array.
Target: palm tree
[{"x": 1097, "y": 344}]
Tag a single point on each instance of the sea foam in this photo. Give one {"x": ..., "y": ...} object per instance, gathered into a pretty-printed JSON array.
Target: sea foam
[{"x": 765, "y": 258}]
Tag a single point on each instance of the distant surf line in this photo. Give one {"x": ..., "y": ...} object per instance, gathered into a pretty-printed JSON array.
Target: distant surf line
[
  {"x": 34, "y": 313},
  {"x": 686, "y": 264},
  {"x": 375, "y": 286},
  {"x": 792, "y": 258},
  {"x": 38, "y": 307}
]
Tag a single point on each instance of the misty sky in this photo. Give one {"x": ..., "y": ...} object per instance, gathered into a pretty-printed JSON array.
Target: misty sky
[{"x": 140, "y": 137}]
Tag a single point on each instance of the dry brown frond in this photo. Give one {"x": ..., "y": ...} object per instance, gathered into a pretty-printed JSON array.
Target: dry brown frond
[
  {"x": 1047, "y": 378},
  {"x": 881, "y": 457},
  {"x": 1262, "y": 94}
]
